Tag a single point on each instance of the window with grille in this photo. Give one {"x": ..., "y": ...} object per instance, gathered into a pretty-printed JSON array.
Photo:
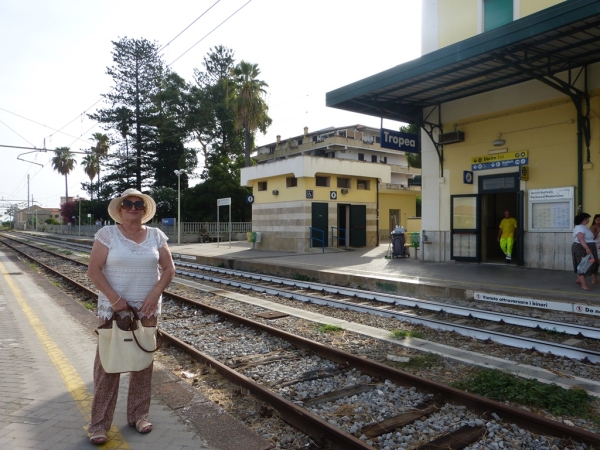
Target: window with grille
[{"x": 497, "y": 13}]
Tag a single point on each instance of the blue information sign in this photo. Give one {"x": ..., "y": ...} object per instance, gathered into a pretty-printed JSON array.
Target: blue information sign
[
  {"x": 500, "y": 164},
  {"x": 398, "y": 140},
  {"x": 168, "y": 221}
]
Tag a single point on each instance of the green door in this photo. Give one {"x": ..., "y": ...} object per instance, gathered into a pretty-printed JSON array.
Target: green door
[
  {"x": 358, "y": 225},
  {"x": 319, "y": 221}
]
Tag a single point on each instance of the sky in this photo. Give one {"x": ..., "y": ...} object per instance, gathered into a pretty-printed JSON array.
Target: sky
[{"x": 54, "y": 56}]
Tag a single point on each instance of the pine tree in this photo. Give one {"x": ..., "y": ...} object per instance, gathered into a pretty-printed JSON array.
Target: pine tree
[{"x": 137, "y": 74}]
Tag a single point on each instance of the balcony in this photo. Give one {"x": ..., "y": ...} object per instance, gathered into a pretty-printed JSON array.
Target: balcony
[{"x": 392, "y": 187}]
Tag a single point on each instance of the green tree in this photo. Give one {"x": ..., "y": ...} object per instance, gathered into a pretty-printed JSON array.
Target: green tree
[
  {"x": 91, "y": 167},
  {"x": 210, "y": 119},
  {"x": 414, "y": 159},
  {"x": 100, "y": 149},
  {"x": 137, "y": 75},
  {"x": 63, "y": 162},
  {"x": 248, "y": 104},
  {"x": 170, "y": 151}
]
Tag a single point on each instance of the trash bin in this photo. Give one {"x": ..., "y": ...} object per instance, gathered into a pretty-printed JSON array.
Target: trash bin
[
  {"x": 415, "y": 240},
  {"x": 252, "y": 237},
  {"x": 258, "y": 236},
  {"x": 248, "y": 234},
  {"x": 397, "y": 244}
]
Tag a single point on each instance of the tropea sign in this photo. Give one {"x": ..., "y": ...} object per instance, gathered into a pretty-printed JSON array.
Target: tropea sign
[{"x": 398, "y": 140}]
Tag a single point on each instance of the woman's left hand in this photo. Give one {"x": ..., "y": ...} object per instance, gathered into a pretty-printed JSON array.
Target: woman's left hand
[{"x": 150, "y": 304}]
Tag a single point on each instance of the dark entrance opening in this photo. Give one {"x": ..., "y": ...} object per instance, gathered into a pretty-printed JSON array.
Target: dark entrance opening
[
  {"x": 342, "y": 231},
  {"x": 319, "y": 221},
  {"x": 499, "y": 193}
]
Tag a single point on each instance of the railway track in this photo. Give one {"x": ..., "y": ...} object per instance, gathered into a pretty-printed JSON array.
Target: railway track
[
  {"x": 546, "y": 336},
  {"x": 307, "y": 396}
]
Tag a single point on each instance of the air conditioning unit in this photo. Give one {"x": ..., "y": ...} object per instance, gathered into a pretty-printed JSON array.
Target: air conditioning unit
[
  {"x": 452, "y": 138},
  {"x": 275, "y": 192},
  {"x": 344, "y": 191}
]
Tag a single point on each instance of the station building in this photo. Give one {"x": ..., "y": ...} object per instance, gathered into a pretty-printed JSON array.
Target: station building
[
  {"x": 507, "y": 97},
  {"x": 337, "y": 185}
]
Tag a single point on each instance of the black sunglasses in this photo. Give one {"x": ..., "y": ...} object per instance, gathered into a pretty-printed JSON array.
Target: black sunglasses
[{"x": 128, "y": 204}]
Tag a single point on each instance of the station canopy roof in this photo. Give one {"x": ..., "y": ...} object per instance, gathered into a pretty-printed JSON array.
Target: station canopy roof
[{"x": 562, "y": 37}]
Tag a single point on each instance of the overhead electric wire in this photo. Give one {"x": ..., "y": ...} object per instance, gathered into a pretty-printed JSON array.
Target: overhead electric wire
[
  {"x": 183, "y": 31},
  {"x": 101, "y": 98},
  {"x": 16, "y": 133},
  {"x": 209, "y": 33}
]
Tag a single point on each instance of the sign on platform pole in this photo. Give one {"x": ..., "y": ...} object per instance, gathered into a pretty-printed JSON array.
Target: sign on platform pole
[{"x": 223, "y": 202}]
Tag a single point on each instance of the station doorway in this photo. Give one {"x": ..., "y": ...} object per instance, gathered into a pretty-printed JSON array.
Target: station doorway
[
  {"x": 492, "y": 213},
  {"x": 352, "y": 225},
  {"x": 475, "y": 220}
]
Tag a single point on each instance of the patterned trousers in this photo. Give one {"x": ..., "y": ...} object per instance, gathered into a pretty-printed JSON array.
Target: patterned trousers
[{"x": 106, "y": 389}]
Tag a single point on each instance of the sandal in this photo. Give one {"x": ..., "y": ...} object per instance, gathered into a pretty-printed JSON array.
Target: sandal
[
  {"x": 98, "y": 438},
  {"x": 142, "y": 426}
]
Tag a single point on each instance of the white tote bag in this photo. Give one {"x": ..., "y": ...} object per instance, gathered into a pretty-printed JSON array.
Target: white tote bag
[{"x": 127, "y": 350}]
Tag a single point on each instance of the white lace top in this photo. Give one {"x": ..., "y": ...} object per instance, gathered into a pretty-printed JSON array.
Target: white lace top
[{"x": 131, "y": 268}]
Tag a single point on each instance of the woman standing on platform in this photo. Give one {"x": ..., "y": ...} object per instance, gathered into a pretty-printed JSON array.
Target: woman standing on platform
[
  {"x": 583, "y": 244},
  {"x": 595, "y": 229},
  {"x": 124, "y": 266}
]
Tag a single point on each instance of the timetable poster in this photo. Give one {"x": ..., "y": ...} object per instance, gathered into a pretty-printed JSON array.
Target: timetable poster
[{"x": 551, "y": 216}]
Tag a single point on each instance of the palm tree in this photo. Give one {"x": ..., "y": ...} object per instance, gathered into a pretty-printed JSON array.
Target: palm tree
[
  {"x": 248, "y": 104},
  {"x": 63, "y": 162},
  {"x": 101, "y": 150},
  {"x": 91, "y": 167}
]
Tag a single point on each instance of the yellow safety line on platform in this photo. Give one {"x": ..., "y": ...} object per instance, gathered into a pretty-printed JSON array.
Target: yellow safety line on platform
[{"x": 75, "y": 385}]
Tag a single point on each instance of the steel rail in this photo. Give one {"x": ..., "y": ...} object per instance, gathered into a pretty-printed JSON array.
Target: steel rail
[
  {"x": 522, "y": 342},
  {"x": 464, "y": 330},
  {"x": 411, "y": 302},
  {"x": 524, "y": 419}
]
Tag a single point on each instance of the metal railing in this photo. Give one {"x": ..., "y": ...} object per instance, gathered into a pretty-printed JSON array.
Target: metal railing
[
  {"x": 322, "y": 240},
  {"x": 170, "y": 230},
  {"x": 338, "y": 237}
]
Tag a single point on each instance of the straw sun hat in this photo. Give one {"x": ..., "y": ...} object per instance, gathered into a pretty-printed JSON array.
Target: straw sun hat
[{"x": 115, "y": 205}]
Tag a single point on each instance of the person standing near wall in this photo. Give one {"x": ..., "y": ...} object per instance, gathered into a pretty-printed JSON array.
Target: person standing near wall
[{"x": 506, "y": 234}]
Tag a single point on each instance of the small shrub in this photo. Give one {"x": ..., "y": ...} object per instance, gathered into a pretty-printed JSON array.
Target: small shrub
[
  {"x": 326, "y": 328},
  {"x": 502, "y": 386},
  {"x": 401, "y": 334}
]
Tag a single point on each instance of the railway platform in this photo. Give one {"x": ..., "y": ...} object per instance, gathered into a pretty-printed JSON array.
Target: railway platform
[
  {"x": 369, "y": 268},
  {"x": 47, "y": 347}
]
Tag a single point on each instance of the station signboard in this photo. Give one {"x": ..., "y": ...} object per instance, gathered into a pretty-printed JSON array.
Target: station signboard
[{"x": 501, "y": 160}]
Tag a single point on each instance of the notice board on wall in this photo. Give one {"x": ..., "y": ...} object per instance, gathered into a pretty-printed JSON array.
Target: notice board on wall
[{"x": 551, "y": 209}]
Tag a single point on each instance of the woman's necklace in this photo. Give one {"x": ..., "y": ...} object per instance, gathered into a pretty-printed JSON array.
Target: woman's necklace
[{"x": 131, "y": 236}]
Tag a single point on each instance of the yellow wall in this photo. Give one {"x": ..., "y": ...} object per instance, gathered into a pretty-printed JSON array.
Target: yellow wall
[
  {"x": 457, "y": 20},
  {"x": 321, "y": 193},
  {"x": 533, "y": 6},
  {"x": 407, "y": 204},
  {"x": 547, "y": 131}
]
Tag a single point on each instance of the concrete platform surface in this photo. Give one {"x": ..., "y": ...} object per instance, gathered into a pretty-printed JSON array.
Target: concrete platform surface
[
  {"x": 47, "y": 349},
  {"x": 370, "y": 268}
]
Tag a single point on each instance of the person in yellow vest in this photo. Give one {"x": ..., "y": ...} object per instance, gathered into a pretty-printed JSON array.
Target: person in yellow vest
[{"x": 506, "y": 234}]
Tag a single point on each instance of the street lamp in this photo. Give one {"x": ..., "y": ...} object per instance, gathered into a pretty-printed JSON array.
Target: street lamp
[{"x": 179, "y": 173}]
